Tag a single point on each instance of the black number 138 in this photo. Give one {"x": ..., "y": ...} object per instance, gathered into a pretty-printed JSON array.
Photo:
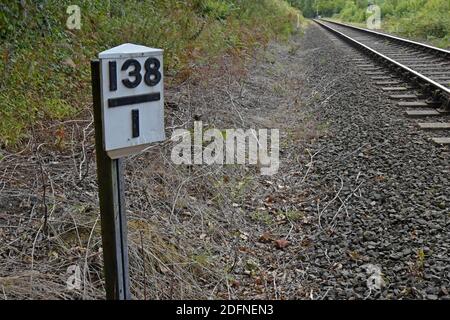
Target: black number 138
[{"x": 152, "y": 74}]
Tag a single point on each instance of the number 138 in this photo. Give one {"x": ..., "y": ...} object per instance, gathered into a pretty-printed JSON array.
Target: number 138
[{"x": 152, "y": 75}]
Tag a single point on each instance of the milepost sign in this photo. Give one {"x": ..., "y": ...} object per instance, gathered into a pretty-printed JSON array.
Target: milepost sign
[
  {"x": 128, "y": 96},
  {"x": 132, "y": 98}
]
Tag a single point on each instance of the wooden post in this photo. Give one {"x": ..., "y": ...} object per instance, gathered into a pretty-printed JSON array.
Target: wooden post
[{"x": 112, "y": 206}]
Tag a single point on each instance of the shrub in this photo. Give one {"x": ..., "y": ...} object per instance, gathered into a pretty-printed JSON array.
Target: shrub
[
  {"x": 47, "y": 65},
  {"x": 425, "y": 19}
]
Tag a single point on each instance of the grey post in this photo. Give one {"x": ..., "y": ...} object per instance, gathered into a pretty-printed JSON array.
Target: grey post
[{"x": 112, "y": 206}]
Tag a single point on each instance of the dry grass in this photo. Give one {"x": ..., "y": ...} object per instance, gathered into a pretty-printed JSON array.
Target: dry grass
[{"x": 191, "y": 228}]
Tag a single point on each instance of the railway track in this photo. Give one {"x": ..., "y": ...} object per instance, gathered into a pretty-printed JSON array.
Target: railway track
[{"x": 416, "y": 75}]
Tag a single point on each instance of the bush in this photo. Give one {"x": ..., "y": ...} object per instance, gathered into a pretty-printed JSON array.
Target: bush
[
  {"x": 423, "y": 19},
  {"x": 48, "y": 65},
  {"x": 217, "y": 9}
]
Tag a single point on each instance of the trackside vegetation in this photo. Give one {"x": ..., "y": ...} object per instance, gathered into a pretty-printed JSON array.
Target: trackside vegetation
[
  {"x": 45, "y": 65},
  {"x": 427, "y": 20}
]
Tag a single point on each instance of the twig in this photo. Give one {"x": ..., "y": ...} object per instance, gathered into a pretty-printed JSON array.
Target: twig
[
  {"x": 44, "y": 189},
  {"x": 143, "y": 265},
  {"x": 86, "y": 257}
]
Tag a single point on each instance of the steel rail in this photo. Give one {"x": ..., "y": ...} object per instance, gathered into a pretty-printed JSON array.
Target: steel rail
[
  {"x": 395, "y": 38},
  {"x": 425, "y": 79}
]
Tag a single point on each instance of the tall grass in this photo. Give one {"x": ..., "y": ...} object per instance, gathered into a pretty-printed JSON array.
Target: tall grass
[{"x": 45, "y": 67}]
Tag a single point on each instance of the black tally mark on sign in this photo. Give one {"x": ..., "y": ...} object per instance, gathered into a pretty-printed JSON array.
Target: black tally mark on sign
[{"x": 152, "y": 77}]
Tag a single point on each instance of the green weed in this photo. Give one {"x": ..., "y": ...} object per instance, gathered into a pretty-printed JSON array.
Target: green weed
[{"x": 46, "y": 65}]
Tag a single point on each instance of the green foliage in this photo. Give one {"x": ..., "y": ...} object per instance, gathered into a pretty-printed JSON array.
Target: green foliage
[
  {"x": 423, "y": 19},
  {"x": 311, "y": 8},
  {"x": 351, "y": 12},
  {"x": 213, "y": 8},
  {"x": 47, "y": 65}
]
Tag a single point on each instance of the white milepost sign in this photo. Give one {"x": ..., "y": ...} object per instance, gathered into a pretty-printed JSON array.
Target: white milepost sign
[
  {"x": 132, "y": 98},
  {"x": 128, "y": 96}
]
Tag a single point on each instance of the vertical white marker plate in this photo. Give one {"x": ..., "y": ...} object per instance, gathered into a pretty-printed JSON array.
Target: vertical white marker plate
[{"x": 132, "y": 98}]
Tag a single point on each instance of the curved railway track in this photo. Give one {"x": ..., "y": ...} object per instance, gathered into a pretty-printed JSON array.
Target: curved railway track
[{"x": 405, "y": 66}]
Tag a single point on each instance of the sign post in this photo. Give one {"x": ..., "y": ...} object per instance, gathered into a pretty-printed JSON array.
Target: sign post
[{"x": 127, "y": 88}]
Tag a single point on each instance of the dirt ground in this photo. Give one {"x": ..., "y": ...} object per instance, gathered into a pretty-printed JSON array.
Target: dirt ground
[{"x": 358, "y": 184}]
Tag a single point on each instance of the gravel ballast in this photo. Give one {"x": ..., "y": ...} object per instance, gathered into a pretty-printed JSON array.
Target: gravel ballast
[{"x": 378, "y": 189}]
